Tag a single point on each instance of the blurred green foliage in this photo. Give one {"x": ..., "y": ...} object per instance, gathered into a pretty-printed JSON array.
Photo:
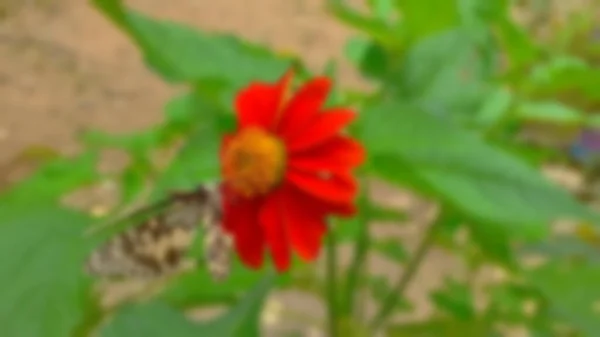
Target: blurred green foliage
[{"x": 456, "y": 82}]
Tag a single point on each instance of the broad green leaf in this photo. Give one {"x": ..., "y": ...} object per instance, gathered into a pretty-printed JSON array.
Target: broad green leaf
[
  {"x": 518, "y": 46},
  {"x": 43, "y": 291},
  {"x": 445, "y": 74},
  {"x": 569, "y": 77},
  {"x": 483, "y": 11},
  {"x": 183, "y": 54},
  {"x": 198, "y": 287},
  {"x": 421, "y": 21},
  {"x": 183, "y": 112},
  {"x": 157, "y": 319},
  {"x": 483, "y": 182},
  {"x": 572, "y": 291},
  {"x": 494, "y": 241},
  {"x": 370, "y": 58},
  {"x": 549, "y": 73},
  {"x": 243, "y": 319},
  {"x": 566, "y": 247},
  {"x": 549, "y": 112},
  {"x": 132, "y": 182},
  {"x": 153, "y": 319},
  {"x": 54, "y": 179},
  {"x": 382, "y": 9},
  {"x": 198, "y": 160},
  {"x": 568, "y": 280},
  {"x": 494, "y": 108}
]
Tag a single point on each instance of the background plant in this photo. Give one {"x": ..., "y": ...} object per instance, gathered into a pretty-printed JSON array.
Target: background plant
[{"x": 455, "y": 83}]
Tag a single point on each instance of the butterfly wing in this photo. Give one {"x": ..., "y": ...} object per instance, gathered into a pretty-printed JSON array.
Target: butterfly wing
[{"x": 158, "y": 245}]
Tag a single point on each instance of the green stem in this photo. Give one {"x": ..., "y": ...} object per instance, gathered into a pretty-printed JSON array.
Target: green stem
[
  {"x": 331, "y": 284},
  {"x": 400, "y": 287},
  {"x": 362, "y": 247}
]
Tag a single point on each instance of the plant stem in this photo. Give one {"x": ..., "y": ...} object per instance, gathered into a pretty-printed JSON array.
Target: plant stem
[
  {"x": 331, "y": 285},
  {"x": 400, "y": 287},
  {"x": 360, "y": 253}
]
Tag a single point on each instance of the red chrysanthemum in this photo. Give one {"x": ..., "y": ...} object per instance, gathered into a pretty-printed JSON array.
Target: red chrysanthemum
[{"x": 285, "y": 169}]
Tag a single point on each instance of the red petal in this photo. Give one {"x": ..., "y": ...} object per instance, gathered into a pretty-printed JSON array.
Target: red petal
[
  {"x": 338, "y": 188},
  {"x": 303, "y": 107},
  {"x": 275, "y": 229},
  {"x": 338, "y": 154},
  {"x": 322, "y": 128},
  {"x": 240, "y": 219},
  {"x": 306, "y": 224},
  {"x": 342, "y": 209},
  {"x": 259, "y": 103}
]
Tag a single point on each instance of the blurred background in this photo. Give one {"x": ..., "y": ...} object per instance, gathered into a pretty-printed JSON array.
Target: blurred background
[{"x": 64, "y": 68}]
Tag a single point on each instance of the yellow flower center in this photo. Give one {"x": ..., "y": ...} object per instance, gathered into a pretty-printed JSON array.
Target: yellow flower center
[{"x": 253, "y": 162}]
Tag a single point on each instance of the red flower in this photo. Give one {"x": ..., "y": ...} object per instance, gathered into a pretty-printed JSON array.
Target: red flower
[{"x": 285, "y": 169}]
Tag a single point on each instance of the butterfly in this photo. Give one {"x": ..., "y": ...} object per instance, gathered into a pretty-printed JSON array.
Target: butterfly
[{"x": 158, "y": 244}]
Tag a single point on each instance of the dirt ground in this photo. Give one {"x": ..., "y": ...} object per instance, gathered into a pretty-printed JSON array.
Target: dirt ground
[{"x": 64, "y": 67}]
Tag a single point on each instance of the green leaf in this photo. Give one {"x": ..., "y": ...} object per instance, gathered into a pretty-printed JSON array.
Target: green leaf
[
  {"x": 391, "y": 248},
  {"x": 494, "y": 241},
  {"x": 43, "y": 291},
  {"x": 445, "y": 73},
  {"x": 456, "y": 299},
  {"x": 183, "y": 112},
  {"x": 507, "y": 303},
  {"x": 138, "y": 145},
  {"x": 182, "y": 54},
  {"x": 565, "y": 247},
  {"x": 153, "y": 319},
  {"x": 369, "y": 57},
  {"x": 157, "y": 319},
  {"x": 380, "y": 289},
  {"x": 380, "y": 213},
  {"x": 549, "y": 112},
  {"x": 244, "y": 318},
  {"x": 197, "y": 161},
  {"x": 417, "y": 16},
  {"x": 483, "y": 11},
  {"x": 517, "y": 45},
  {"x": 347, "y": 229},
  {"x": 572, "y": 290},
  {"x": 382, "y": 9},
  {"x": 199, "y": 288},
  {"x": 54, "y": 179},
  {"x": 375, "y": 28},
  {"x": 482, "y": 182},
  {"x": 494, "y": 108},
  {"x": 132, "y": 181},
  {"x": 569, "y": 77}
]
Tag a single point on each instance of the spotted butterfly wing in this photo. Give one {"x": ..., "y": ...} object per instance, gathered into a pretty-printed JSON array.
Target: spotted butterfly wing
[{"x": 158, "y": 245}]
